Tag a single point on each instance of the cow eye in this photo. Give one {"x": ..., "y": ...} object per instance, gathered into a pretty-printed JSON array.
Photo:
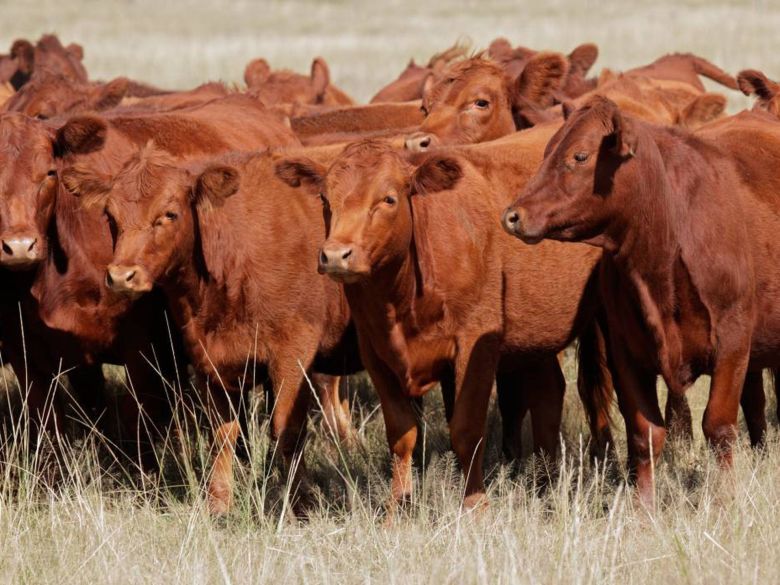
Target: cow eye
[
  {"x": 482, "y": 104},
  {"x": 424, "y": 110},
  {"x": 52, "y": 173},
  {"x": 390, "y": 200},
  {"x": 581, "y": 157},
  {"x": 171, "y": 215}
]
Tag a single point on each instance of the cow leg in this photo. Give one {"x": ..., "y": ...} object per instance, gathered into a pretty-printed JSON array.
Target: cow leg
[
  {"x": 753, "y": 403},
  {"x": 678, "y": 417},
  {"x": 544, "y": 387},
  {"x": 447, "y": 384},
  {"x": 720, "y": 416},
  {"x": 513, "y": 407},
  {"x": 288, "y": 422},
  {"x": 475, "y": 370},
  {"x": 335, "y": 412},
  {"x": 638, "y": 402},
  {"x": 222, "y": 414}
]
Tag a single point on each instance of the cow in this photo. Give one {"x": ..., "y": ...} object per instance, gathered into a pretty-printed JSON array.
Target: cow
[
  {"x": 47, "y": 95},
  {"x": 688, "y": 225},
  {"x": 220, "y": 238},
  {"x": 752, "y": 82},
  {"x": 477, "y": 101},
  {"x": 580, "y": 60},
  {"x": 438, "y": 294},
  {"x": 687, "y": 68},
  {"x": 411, "y": 83},
  {"x": 59, "y": 254},
  {"x": 47, "y": 55},
  {"x": 288, "y": 87}
]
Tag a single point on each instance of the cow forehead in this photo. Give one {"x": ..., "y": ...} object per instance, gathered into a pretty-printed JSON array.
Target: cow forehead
[{"x": 361, "y": 180}]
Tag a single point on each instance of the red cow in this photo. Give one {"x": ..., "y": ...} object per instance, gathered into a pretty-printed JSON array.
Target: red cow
[
  {"x": 753, "y": 82},
  {"x": 688, "y": 223},
  {"x": 439, "y": 295},
  {"x": 287, "y": 87}
]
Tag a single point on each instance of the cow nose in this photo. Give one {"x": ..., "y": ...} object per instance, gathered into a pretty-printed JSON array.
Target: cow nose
[
  {"x": 513, "y": 220},
  {"x": 20, "y": 251},
  {"x": 335, "y": 257},
  {"x": 419, "y": 142},
  {"x": 120, "y": 278}
]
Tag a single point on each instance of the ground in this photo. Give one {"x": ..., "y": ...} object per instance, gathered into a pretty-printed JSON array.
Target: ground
[{"x": 99, "y": 524}]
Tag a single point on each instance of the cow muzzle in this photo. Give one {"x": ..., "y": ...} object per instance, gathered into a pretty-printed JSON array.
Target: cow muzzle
[
  {"x": 337, "y": 261},
  {"x": 131, "y": 280},
  {"x": 20, "y": 252},
  {"x": 420, "y": 142},
  {"x": 515, "y": 223}
]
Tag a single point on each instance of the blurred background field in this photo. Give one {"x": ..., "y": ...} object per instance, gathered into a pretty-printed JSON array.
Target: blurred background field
[{"x": 101, "y": 525}]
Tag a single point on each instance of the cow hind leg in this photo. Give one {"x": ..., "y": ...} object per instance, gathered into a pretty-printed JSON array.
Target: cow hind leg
[
  {"x": 753, "y": 403},
  {"x": 221, "y": 410},
  {"x": 544, "y": 387}
]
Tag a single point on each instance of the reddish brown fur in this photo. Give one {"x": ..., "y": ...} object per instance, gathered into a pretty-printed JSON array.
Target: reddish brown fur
[
  {"x": 220, "y": 240},
  {"x": 47, "y": 55},
  {"x": 753, "y": 82},
  {"x": 436, "y": 290},
  {"x": 288, "y": 87},
  {"x": 688, "y": 223},
  {"x": 687, "y": 68}
]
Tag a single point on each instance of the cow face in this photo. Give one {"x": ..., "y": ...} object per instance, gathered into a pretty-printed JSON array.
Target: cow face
[
  {"x": 50, "y": 95},
  {"x": 148, "y": 204},
  {"x": 367, "y": 195},
  {"x": 286, "y": 87},
  {"x": 476, "y": 101},
  {"x": 569, "y": 198}
]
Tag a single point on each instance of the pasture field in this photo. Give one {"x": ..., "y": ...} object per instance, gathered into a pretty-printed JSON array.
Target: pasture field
[{"x": 98, "y": 521}]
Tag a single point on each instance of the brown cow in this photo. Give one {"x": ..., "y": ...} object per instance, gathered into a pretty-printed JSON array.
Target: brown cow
[
  {"x": 47, "y": 95},
  {"x": 687, "y": 68},
  {"x": 47, "y": 55},
  {"x": 439, "y": 295},
  {"x": 64, "y": 302},
  {"x": 688, "y": 223},
  {"x": 410, "y": 85},
  {"x": 580, "y": 60},
  {"x": 287, "y": 87},
  {"x": 221, "y": 240},
  {"x": 476, "y": 101},
  {"x": 753, "y": 82}
]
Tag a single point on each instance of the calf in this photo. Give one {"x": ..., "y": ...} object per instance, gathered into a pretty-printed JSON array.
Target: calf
[
  {"x": 221, "y": 239},
  {"x": 688, "y": 223},
  {"x": 287, "y": 87},
  {"x": 439, "y": 295}
]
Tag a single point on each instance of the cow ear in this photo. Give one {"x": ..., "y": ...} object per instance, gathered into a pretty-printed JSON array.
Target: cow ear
[
  {"x": 76, "y": 50},
  {"x": 320, "y": 76},
  {"x": 500, "y": 49},
  {"x": 301, "y": 172},
  {"x": 427, "y": 85},
  {"x": 81, "y": 135},
  {"x": 567, "y": 108},
  {"x": 256, "y": 73},
  {"x": 541, "y": 78},
  {"x": 753, "y": 82},
  {"x": 582, "y": 58},
  {"x": 24, "y": 52},
  {"x": 111, "y": 94},
  {"x": 437, "y": 173},
  {"x": 624, "y": 132},
  {"x": 90, "y": 187},
  {"x": 215, "y": 184},
  {"x": 702, "y": 109}
]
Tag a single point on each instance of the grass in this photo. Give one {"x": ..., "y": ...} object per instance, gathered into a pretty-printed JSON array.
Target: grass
[{"x": 103, "y": 522}]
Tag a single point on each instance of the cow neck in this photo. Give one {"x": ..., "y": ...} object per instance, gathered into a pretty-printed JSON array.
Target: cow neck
[{"x": 644, "y": 244}]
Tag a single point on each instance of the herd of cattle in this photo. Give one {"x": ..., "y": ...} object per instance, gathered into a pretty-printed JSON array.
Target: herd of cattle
[{"x": 648, "y": 221}]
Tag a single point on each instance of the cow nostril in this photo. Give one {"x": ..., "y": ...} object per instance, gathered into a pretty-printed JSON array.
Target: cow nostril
[
  {"x": 425, "y": 142},
  {"x": 35, "y": 241},
  {"x": 7, "y": 249},
  {"x": 109, "y": 280},
  {"x": 512, "y": 217},
  {"x": 130, "y": 276},
  {"x": 346, "y": 254},
  {"x": 323, "y": 257}
]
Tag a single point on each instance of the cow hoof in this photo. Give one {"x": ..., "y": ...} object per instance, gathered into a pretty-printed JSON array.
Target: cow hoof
[
  {"x": 220, "y": 500},
  {"x": 476, "y": 502}
]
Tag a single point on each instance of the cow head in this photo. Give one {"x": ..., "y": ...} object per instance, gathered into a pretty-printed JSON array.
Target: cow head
[
  {"x": 570, "y": 197},
  {"x": 49, "y": 95},
  {"x": 153, "y": 204},
  {"x": 475, "y": 101},
  {"x": 286, "y": 87},
  {"x": 753, "y": 82},
  {"x": 368, "y": 194}
]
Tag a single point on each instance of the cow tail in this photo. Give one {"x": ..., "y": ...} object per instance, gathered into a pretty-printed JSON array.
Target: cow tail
[{"x": 594, "y": 384}]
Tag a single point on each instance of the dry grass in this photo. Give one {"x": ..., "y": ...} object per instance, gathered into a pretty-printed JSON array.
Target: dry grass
[{"x": 103, "y": 524}]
